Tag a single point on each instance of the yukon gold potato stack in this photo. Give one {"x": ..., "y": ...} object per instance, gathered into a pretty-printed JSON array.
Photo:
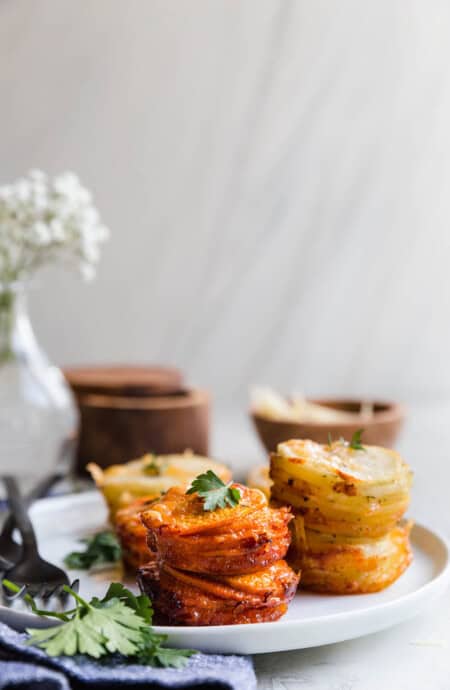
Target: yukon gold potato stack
[
  {"x": 348, "y": 499},
  {"x": 219, "y": 555}
]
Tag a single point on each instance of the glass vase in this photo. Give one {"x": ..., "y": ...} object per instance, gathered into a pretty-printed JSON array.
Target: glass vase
[{"x": 38, "y": 416}]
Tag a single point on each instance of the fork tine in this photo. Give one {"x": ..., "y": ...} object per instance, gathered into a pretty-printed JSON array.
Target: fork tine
[
  {"x": 9, "y": 597},
  {"x": 46, "y": 592},
  {"x": 39, "y": 592},
  {"x": 56, "y": 592},
  {"x": 63, "y": 595},
  {"x": 33, "y": 590}
]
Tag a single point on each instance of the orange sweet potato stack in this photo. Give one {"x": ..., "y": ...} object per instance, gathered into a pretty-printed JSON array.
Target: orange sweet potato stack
[{"x": 217, "y": 567}]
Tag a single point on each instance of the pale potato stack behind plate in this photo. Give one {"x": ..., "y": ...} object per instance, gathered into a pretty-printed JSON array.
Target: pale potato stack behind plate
[{"x": 348, "y": 502}]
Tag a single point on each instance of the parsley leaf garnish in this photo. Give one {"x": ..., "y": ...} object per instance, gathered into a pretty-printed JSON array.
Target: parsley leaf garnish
[
  {"x": 176, "y": 658},
  {"x": 355, "y": 443},
  {"x": 96, "y": 628},
  {"x": 101, "y": 548},
  {"x": 214, "y": 492},
  {"x": 152, "y": 467},
  {"x": 118, "y": 623},
  {"x": 141, "y": 603}
]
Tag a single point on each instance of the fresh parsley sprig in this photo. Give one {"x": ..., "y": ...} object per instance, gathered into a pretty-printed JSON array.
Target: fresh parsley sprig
[
  {"x": 355, "y": 442},
  {"x": 152, "y": 467},
  {"x": 214, "y": 492},
  {"x": 118, "y": 623},
  {"x": 101, "y": 549}
]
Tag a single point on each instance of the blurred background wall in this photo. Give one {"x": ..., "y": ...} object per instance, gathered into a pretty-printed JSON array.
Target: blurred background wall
[{"x": 275, "y": 176}]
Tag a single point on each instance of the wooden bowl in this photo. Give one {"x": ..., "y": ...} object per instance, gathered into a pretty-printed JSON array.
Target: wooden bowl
[
  {"x": 127, "y": 411},
  {"x": 380, "y": 430},
  {"x": 116, "y": 429}
]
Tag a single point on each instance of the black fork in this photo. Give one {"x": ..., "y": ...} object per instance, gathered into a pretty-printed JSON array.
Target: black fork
[
  {"x": 41, "y": 579},
  {"x": 10, "y": 550}
]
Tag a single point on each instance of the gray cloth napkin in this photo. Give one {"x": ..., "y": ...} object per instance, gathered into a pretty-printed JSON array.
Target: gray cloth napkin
[{"x": 24, "y": 667}]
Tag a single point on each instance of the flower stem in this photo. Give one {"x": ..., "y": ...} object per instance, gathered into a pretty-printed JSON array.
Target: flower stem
[
  {"x": 78, "y": 599},
  {"x": 7, "y": 304}
]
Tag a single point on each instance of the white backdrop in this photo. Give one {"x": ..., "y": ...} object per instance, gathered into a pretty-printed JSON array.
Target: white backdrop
[{"x": 275, "y": 175}]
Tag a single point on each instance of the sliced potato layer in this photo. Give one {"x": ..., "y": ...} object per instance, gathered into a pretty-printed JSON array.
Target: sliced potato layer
[
  {"x": 341, "y": 490},
  {"x": 186, "y": 599},
  {"x": 227, "y": 541},
  {"x": 349, "y": 566}
]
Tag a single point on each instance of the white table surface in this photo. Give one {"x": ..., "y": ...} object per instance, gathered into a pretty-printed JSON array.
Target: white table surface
[{"x": 410, "y": 656}]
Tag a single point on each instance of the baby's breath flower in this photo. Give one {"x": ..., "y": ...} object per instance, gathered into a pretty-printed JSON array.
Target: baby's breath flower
[
  {"x": 40, "y": 234},
  {"x": 43, "y": 220}
]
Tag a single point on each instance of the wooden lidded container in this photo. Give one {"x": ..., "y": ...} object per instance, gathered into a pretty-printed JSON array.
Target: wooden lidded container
[{"x": 128, "y": 411}]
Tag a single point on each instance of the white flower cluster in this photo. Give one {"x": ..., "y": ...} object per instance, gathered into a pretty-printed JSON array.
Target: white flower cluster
[{"x": 45, "y": 219}]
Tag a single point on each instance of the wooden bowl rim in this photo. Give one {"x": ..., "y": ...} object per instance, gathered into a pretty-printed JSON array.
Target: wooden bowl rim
[
  {"x": 395, "y": 412},
  {"x": 194, "y": 397},
  {"x": 124, "y": 380}
]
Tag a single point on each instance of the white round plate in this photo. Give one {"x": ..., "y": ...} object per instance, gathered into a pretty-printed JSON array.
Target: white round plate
[{"x": 312, "y": 619}]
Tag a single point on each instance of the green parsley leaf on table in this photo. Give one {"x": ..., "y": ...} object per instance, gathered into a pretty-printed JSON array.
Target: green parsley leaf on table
[
  {"x": 72, "y": 637},
  {"x": 102, "y": 548},
  {"x": 95, "y": 629},
  {"x": 153, "y": 653},
  {"x": 176, "y": 658},
  {"x": 214, "y": 492},
  {"x": 355, "y": 443},
  {"x": 141, "y": 603},
  {"x": 120, "y": 622}
]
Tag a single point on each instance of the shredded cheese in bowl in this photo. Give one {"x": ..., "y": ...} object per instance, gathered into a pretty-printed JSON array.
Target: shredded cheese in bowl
[{"x": 266, "y": 402}]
